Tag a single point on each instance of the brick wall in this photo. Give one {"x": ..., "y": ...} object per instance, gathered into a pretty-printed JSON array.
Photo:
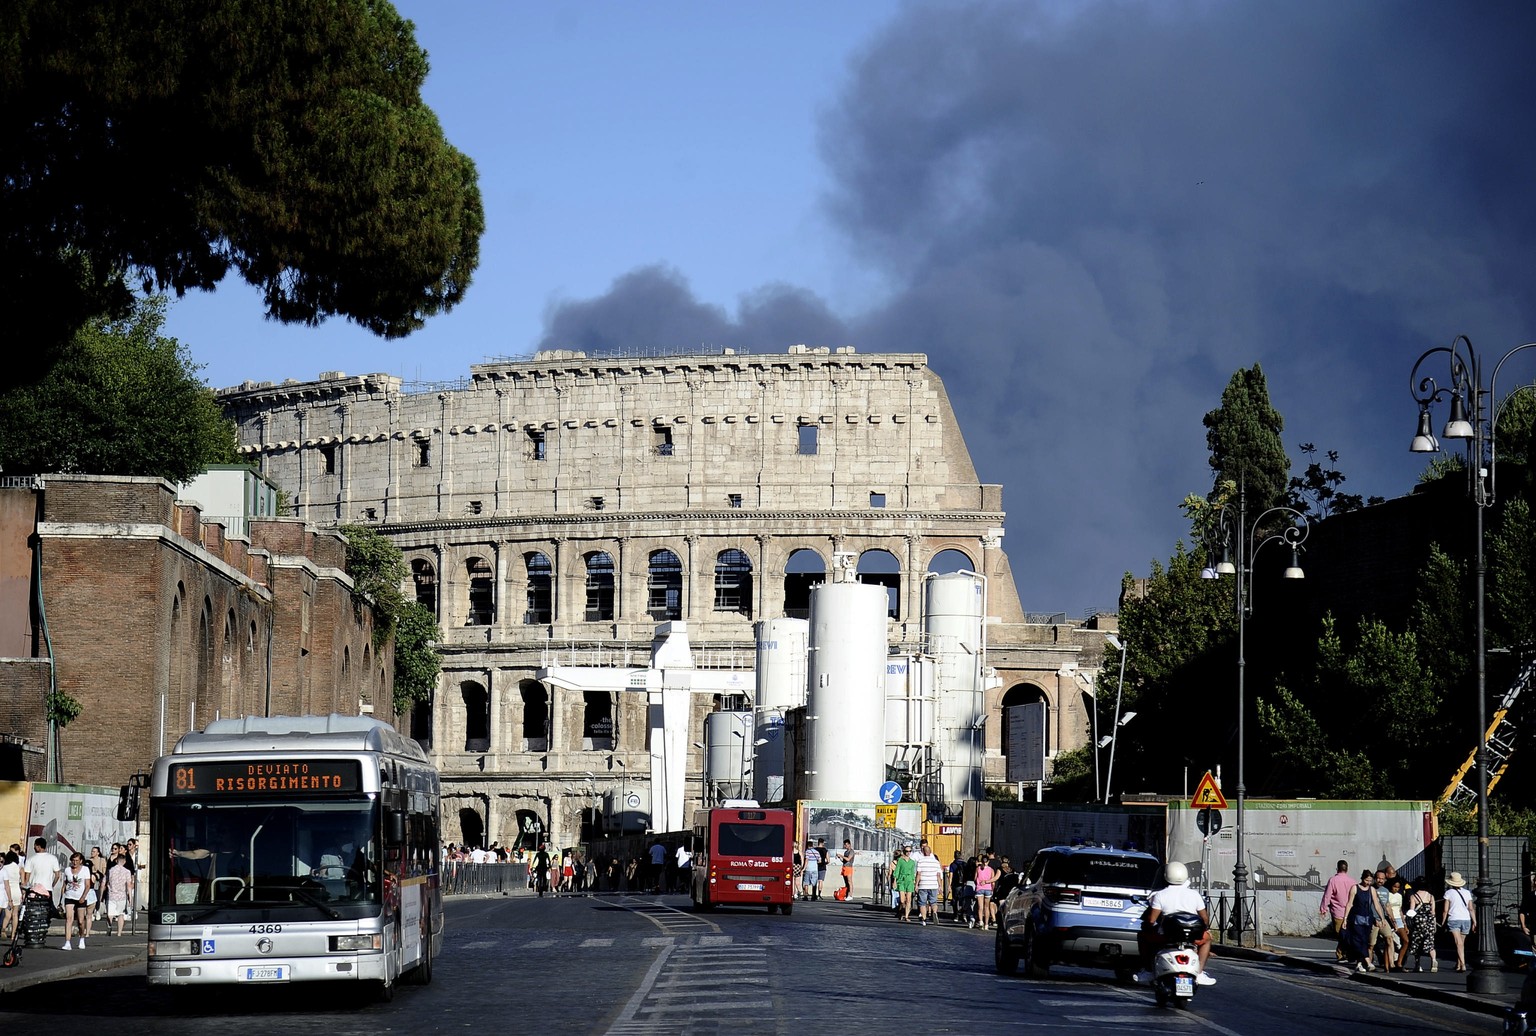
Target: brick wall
[{"x": 160, "y": 623}]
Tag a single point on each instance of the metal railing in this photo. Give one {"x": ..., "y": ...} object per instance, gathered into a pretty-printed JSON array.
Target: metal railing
[{"x": 460, "y": 878}]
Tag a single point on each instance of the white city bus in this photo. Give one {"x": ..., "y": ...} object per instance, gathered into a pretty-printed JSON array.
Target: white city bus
[{"x": 294, "y": 849}]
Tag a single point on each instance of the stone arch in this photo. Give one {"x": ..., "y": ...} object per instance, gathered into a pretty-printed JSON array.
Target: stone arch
[
  {"x": 1025, "y": 694},
  {"x": 597, "y": 721},
  {"x": 733, "y": 582},
  {"x": 803, "y": 569},
  {"x": 950, "y": 559},
  {"x": 530, "y": 829},
  {"x": 176, "y": 686},
  {"x": 535, "y": 702},
  {"x": 206, "y": 707},
  {"x": 541, "y": 589},
  {"x": 879, "y": 567},
  {"x": 599, "y": 586},
  {"x": 482, "y": 591},
  {"x": 664, "y": 586},
  {"x": 424, "y": 580},
  {"x": 477, "y": 716}
]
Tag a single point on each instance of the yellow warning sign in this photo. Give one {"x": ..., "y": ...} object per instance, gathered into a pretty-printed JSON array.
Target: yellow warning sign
[
  {"x": 1207, "y": 795},
  {"x": 885, "y": 816}
]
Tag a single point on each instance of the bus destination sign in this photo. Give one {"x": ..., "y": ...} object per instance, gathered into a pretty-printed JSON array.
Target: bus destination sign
[{"x": 269, "y": 777}]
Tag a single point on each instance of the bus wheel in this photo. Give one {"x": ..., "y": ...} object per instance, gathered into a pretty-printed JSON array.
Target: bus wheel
[
  {"x": 785, "y": 908},
  {"x": 421, "y": 975}
]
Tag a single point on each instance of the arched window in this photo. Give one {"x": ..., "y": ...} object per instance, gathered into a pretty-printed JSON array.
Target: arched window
[
  {"x": 1026, "y": 694},
  {"x": 733, "y": 582},
  {"x": 477, "y": 716},
  {"x": 421, "y": 718},
  {"x": 803, "y": 570},
  {"x": 206, "y": 706},
  {"x": 947, "y": 561},
  {"x": 880, "y": 568},
  {"x": 482, "y": 602},
  {"x": 597, "y": 721},
  {"x": 599, "y": 587},
  {"x": 541, "y": 590},
  {"x": 425, "y": 578},
  {"x": 535, "y": 716},
  {"x": 664, "y": 587}
]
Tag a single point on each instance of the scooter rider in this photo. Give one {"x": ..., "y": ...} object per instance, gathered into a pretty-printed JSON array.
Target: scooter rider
[{"x": 1176, "y": 898}]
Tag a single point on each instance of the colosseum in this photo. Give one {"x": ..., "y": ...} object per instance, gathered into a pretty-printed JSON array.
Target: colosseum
[{"x": 554, "y": 510}]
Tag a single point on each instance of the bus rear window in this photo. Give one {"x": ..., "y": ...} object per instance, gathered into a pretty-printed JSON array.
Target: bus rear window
[{"x": 752, "y": 840}]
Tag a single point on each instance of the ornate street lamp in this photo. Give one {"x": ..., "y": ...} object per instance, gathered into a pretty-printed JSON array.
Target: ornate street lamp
[
  {"x": 1243, "y": 541},
  {"x": 1466, "y": 391}
]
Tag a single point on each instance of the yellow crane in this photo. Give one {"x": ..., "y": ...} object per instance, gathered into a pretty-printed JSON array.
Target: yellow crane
[{"x": 1500, "y": 740}]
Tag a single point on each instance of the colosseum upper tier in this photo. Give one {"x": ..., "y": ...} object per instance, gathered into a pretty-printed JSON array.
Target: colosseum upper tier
[{"x": 555, "y": 509}]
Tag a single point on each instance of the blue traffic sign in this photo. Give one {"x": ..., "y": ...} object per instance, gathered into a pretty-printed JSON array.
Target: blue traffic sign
[{"x": 890, "y": 792}]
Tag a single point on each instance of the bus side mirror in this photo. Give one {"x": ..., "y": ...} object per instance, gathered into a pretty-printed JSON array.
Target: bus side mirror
[
  {"x": 394, "y": 827},
  {"x": 128, "y": 803}
]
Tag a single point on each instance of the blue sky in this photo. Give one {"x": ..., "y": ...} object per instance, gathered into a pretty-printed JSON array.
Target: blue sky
[
  {"x": 608, "y": 136},
  {"x": 1087, "y": 215}
]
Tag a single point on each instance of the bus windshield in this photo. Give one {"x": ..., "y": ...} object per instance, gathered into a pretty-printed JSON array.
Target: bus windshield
[
  {"x": 213, "y": 857},
  {"x": 755, "y": 840}
]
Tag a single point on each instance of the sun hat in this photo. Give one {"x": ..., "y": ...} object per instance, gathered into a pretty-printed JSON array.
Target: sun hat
[{"x": 1455, "y": 880}]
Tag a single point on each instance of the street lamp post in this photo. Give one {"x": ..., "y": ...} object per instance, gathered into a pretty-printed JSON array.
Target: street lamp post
[
  {"x": 1114, "y": 731},
  {"x": 1466, "y": 389},
  {"x": 1245, "y": 541},
  {"x": 623, "y": 794},
  {"x": 703, "y": 760}
]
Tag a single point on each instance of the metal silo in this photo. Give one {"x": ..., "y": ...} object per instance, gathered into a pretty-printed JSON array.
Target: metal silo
[
  {"x": 845, "y": 702},
  {"x": 953, "y": 625},
  {"x": 727, "y": 754}
]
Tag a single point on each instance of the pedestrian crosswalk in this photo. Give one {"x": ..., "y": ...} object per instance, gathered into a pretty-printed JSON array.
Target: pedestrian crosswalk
[{"x": 709, "y": 983}]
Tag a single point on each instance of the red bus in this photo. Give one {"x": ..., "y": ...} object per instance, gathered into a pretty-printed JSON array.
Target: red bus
[{"x": 743, "y": 856}]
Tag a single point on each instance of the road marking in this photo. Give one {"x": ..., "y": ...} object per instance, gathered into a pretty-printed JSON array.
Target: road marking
[{"x": 585, "y": 943}]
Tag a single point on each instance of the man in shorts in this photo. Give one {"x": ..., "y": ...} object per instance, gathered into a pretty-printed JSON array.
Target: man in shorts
[
  {"x": 810, "y": 877},
  {"x": 930, "y": 875}
]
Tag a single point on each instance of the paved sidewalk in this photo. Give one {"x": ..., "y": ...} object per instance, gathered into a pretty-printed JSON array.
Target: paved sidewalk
[
  {"x": 51, "y": 963},
  {"x": 1445, "y": 986}
]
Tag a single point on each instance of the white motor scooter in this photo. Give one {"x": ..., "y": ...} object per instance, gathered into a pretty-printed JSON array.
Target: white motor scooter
[{"x": 1176, "y": 967}]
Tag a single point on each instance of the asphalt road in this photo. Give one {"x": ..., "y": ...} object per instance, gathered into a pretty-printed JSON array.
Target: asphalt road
[{"x": 644, "y": 966}]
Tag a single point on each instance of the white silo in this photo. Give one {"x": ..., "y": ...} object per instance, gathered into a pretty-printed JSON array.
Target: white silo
[
  {"x": 956, "y": 605},
  {"x": 781, "y": 662},
  {"x": 727, "y": 754},
  {"x": 910, "y": 709},
  {"x": 845, "y": 700}
]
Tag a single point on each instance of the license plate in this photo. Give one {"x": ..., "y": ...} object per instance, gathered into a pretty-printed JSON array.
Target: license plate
[
  {"x": 1101, "y": 902},
  {"x": 265, "y": 973},
  {"x": 751, "y": 886},
  {"x": 1183, "y": 985}
]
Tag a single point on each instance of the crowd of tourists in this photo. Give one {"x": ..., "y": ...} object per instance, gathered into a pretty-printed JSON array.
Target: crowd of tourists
[{"x": 80, "y": 889}]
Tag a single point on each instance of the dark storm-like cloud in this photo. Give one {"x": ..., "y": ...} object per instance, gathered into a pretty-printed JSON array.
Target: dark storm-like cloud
[
  {"x": 653, "y": 310},
  {"x": 1090, "y": 217}
]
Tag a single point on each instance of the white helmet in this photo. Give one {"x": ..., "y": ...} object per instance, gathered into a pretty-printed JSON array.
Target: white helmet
[{"x": 1176, "y": 873}]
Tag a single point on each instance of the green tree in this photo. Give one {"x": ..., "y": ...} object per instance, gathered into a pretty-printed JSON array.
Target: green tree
[
  {"x": 1512, "y": 574},
  {"x": 164, "y": 143},
  {"x": 378, "y": 571},
  {"x": 1243, "y": 435},
  {"x": 1179, "y": 631},
  {"x": 417, "y": 661},
  {"x": 1315, "y": 492},
  {"x": 122, "y": 400}
]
